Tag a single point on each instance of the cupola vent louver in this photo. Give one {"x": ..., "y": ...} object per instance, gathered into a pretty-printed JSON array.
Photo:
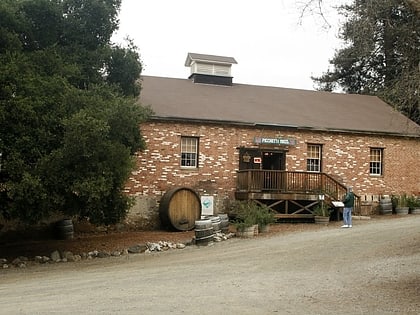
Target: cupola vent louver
[{"x": 210, "y": 69}]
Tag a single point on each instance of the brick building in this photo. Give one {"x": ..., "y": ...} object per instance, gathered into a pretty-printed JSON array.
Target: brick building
[{"x": 221, "y": 139}]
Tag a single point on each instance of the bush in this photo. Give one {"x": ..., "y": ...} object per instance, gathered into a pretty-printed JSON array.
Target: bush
[
  {"x": 399, "y": 201},
  {"x": 413, "y": 202},
  {"x": 249, "y": 213},
  {"x": 322, "y": 209}
]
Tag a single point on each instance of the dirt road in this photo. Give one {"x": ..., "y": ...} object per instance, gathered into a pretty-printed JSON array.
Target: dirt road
[{"x": 373, "y": 268}]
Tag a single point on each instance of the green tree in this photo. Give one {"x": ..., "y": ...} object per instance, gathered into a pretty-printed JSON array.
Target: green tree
[
  {"x": 123, "y": 69},
  {"x": 381, "y": 55},
  {"x": 68, "y": 113}
]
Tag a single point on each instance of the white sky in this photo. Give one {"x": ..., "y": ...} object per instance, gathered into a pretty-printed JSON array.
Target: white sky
[{"x": 264, "y": 37}]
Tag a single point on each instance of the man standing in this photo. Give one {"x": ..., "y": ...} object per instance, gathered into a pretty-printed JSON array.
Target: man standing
[{"x": 348, "y": 207}]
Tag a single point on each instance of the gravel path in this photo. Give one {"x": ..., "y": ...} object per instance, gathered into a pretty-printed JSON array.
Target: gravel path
[{"x": 373, "y": 268}]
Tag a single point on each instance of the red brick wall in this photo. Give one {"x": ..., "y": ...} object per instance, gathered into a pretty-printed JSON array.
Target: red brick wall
[{"x": 345, "y": 156}]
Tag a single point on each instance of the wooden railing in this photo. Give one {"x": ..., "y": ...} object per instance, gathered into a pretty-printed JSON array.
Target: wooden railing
[{"x": 253, "y": 180}]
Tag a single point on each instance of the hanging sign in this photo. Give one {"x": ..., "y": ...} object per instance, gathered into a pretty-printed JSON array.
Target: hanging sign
[
  {"x": 246, "y": 157},
  {"x": 274, "y": 141},
  {"x": 257, "y": 160}
]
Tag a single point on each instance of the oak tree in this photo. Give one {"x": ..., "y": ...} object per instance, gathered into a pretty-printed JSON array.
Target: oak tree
[{"x": 68, "y": 113}]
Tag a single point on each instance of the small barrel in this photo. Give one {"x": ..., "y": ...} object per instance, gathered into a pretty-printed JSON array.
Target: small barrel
[
  {"x": 204, "y": 232},
  {"x": 385, "y": 205},
  {"x": 215, "y": 221},
  {"x": 415, "y": 211},
  {"x": 224, "y": 222},
  {"x": 64, "y": 229},
  {"x": 179, "y": 208}
]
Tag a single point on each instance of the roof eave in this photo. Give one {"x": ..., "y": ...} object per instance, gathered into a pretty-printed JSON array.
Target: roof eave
[
  {"x": 364, "y": 132},
  {"x": 287, "y": 126},
  {"x": 200, "y": 120}
]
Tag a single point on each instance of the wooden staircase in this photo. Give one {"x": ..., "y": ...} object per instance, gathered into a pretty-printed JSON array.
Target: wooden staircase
[{"x": 290, "y": 194}]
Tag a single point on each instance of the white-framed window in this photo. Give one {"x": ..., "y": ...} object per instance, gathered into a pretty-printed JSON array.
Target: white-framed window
[
  {"x": 376, "y": 161},
  {"x": 189, "y": 152},
  {"x": 313, "y": 160}
]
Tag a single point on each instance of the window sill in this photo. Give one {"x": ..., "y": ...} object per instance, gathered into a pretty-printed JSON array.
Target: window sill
[{"x": 189, "y": 168}]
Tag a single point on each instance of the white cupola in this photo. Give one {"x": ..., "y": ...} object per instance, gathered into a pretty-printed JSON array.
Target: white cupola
[{"x": 210, "y": 69}]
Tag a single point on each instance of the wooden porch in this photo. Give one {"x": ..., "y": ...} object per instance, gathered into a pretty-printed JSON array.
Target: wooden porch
[{"x": 291, "y": 194}]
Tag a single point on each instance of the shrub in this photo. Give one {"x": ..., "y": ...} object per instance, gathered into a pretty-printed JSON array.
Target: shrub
[
  {"x": 413, "y": 202},
  {"x": 322, "y": 209},
  {"x": 249, "y": 213}
]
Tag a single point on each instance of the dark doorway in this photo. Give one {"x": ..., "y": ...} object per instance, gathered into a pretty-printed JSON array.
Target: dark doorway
[{"x": 274, "y": 161}]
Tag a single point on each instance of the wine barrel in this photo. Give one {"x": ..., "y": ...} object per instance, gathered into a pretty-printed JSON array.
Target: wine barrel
[
  {"x": 179, "y": 209},
  {"x": 385, "y": 205},
  {"x": 415, "y": 211},
  {"x": 204, "y": 232},
  {"x": 224, "y": 222},
  {"x": 64, "y": 229},
  {"x": 215, "y": 221}
]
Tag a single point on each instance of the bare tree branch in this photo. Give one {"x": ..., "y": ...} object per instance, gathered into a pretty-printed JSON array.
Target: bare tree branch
[
  {"x": 316, "y": 7},
  {"x": 313, "y": 7}
]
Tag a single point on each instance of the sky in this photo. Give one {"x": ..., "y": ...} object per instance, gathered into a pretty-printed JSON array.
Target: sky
[{"x": 272, "y": 45}]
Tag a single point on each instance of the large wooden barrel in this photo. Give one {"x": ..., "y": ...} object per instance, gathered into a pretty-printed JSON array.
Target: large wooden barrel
[{"x": 179, "y": 209}]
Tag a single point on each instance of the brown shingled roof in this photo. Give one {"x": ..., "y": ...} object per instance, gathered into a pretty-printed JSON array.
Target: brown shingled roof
[{"x": 182, "y": 99}]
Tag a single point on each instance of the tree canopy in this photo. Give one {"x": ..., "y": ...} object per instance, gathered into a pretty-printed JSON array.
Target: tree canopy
[
  {"x": 381, "y": 55},
  {"x": 68, "y": 113}
]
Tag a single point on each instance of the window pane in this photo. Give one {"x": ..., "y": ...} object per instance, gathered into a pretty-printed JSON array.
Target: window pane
[
  {"x": 314, "y": 158},
  {"x": 189, "y": 151},
  {"x": 313, "y": 165},
  {"x": 313, "y": 152},
  {"x": 375, "y": 165}
]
